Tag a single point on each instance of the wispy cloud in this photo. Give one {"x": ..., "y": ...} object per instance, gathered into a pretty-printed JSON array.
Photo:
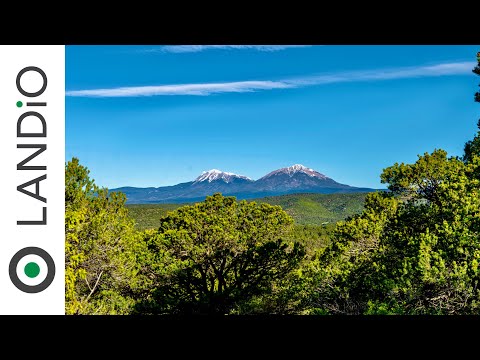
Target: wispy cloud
[
  {"x": 198, "y": 48},
  {"x": 183, "y": 89},
  {"x": 458, "y": 68},
  {"x": 445, "y": 69}
]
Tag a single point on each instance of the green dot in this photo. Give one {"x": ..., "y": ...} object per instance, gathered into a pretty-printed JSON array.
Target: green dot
[
  {"x": 32, "y": 269},
  {"x": 19, "y": 104}
]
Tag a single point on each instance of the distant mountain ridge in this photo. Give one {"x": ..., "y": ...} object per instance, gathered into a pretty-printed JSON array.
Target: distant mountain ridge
[{"x": 290, "y": 180}]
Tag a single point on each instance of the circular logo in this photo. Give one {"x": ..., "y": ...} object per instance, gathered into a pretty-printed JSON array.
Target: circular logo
[{"x": 32, "y": 270}]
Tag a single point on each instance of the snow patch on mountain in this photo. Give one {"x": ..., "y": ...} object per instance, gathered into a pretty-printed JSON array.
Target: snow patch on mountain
[
  {"x": 214, "y": 174},
  {"x": 295, "y": 169}
]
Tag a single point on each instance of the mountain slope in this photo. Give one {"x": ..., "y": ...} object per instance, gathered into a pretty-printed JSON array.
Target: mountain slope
[
  {"x": 214, "y": 175},
  {"x": 297, "y": 177},
  {"x": 318, "y": 209}
]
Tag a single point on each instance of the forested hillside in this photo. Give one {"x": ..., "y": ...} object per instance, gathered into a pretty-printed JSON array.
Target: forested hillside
[
  {"x": 318, "y": 209},
  {"x": 305, "y": 209}
]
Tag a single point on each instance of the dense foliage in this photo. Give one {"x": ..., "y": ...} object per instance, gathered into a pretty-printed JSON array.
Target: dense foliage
[
  {"x": 414, "y": 249},
  {"x": 101, "y": 247},
  {"x": 221, "y": 253}
]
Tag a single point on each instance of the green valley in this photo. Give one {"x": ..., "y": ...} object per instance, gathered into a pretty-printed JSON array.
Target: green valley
[{"x": 305, "y": 209}]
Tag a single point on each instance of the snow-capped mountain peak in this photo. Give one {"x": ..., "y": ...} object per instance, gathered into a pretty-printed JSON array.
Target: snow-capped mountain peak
[
  {"x": 295, "y": 179},
  {"x": 295, "y": 169},
  {"x": 214, "y": 174}
]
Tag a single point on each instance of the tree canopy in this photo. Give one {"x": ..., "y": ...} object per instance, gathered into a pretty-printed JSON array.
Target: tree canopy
[
  {"x": 101, "y": 247},
  {"x": 414, "y": 249}
]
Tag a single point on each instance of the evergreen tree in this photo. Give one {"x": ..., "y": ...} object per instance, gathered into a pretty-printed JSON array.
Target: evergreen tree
[
  {"x": 101, "y": 247},
  {"x": 414, "y": 250},
  {"x": 211, "y": 257}
]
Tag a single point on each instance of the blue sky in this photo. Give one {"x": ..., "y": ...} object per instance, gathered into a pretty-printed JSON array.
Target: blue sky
[{"x": 160, "y": 115}]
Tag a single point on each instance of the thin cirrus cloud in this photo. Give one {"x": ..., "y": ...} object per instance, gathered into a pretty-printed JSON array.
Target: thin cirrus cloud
[
  {"x": 205, "y": 89},
  {"x": 178, "y": 49}
]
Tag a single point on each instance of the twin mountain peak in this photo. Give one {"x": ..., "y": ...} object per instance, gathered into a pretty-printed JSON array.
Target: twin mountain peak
[
  {"x": 289, "y": 180},
  {"x": 215, "y": 175}
]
